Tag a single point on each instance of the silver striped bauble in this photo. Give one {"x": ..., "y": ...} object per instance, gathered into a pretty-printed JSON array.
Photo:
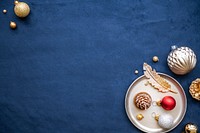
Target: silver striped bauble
[{"x": 181, "y": 60}]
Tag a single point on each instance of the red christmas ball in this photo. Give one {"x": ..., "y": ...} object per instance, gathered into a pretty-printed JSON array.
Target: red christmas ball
[{"x": 168, "y": 103}]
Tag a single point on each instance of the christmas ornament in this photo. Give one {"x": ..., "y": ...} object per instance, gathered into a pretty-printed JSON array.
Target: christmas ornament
[
  {"x": 168, "y": 103},
  {"x": 139, "y": 116},
  {"x": 21, "y": 9},
  {"x": 165, "y": 121},
  {"x": 155, "y": 59},
  {"x": 181, "y": 60},
  {"x": 156, "y": 80},
  {"x": 191, "y": 128},
  {"x": 195, "y": 89},
  {"x": 136, "y": 72},
  {"x": 13, "y": 25},
  {"x": 4, "y": 11},
  {"x": 142, "y": 100}
]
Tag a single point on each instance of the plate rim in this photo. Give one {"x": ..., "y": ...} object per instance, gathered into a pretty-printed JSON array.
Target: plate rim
[{"x": 126, "y": 97}]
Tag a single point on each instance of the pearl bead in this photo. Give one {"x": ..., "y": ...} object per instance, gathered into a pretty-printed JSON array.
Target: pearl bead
[
  {"x": 136, "y": 72},
  {"x": 4, "y": 11},
  {"x": 155, "y": 59},
  {"x": 13, "y": 25}
]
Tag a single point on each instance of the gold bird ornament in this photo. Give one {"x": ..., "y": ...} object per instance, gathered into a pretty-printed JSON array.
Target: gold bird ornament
[{"x": 21, "y": 9}]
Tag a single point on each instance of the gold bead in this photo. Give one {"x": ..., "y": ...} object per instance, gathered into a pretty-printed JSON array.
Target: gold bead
[
  {"x": 139, "y": 116},
  {"x": 136, "y": 71},
  {"x": 13, "y": 25},
  {"x": 22, "y": 9},
  {"x": 16, "y": 2},
  {"x": 4, "y": 11},
  {"x": 155, "y": 59}
]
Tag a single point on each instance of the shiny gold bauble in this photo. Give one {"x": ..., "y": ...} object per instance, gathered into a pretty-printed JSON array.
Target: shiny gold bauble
[
  {"x": 13, "y": 25},
  {"x": 155, "y": 59},
  {"x": 191, "y": 128},
  {"x": 21, "y": 9},
  {"x": 139, "y": 116},
  {"x": 181, "y": 60}
]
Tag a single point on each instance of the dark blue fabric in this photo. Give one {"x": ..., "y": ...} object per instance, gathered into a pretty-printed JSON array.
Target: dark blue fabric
[{"x": 68, "y": 65}]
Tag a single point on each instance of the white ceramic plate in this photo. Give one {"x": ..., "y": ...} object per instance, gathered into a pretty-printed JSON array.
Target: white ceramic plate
[{"x": 148, "y": 123}]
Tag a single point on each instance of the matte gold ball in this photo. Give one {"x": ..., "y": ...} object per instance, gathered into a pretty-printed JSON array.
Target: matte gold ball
[
  {"x": 155, "y": 59},
  {"x": 21, "y": 9},
  {"x": 13, "y": 25},
  {"x": 139, "y": 116},
  {"x": 191, "y": 128},
  {"x": 4, "y": 11}
]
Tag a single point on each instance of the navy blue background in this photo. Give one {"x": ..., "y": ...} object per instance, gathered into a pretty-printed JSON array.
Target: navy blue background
[{"x": 68, "y": 65}]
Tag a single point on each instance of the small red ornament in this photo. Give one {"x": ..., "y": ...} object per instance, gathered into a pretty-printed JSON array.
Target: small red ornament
[{"x": 168, "y": 103}]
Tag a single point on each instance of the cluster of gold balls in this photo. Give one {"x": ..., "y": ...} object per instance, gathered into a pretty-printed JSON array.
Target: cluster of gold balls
[{"x": 21, "y": 9}]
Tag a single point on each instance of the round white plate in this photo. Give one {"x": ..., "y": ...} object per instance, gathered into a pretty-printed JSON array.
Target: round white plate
[{"x": 148, "y": 123}]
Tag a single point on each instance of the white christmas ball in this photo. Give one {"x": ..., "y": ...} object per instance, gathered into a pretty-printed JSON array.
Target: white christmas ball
[{"x": 166, "y": 121}]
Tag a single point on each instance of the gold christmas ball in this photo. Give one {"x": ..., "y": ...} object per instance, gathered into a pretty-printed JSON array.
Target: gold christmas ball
[
  {"x": 13, "y": 25},
  {"x": 195, "y": 89},
  {"x": 4, "y": 11},
  {"x": 155, "y": 59},
  {"x": 21, "y": 9},
  {"x": 181, "y": 60},
  {"x": 139, "y": 116},
  {"x": 191, "y": 128}
]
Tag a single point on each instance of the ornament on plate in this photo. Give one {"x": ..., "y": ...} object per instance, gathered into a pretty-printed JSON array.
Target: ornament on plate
[
  {"x": 168, "y": 103},
  {"x": 142, "y": 100},
  {"x": 195, "y": 89},
  {"x": 156, "y": 80},
  {"x": 13, "y": 25},
  {"x": 139, "y": 116},
  {"x": 165, "y": 121},
  {"x": 181, "y": 60},
  {"x": 21, "y": 9},
  {"x": 191, "y": 128}
]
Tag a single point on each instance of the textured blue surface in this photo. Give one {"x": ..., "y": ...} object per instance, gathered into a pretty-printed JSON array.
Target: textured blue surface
[{"x": 68, "y": 65}]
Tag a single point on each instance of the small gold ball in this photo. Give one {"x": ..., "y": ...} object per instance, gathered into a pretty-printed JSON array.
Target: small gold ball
[
  {"x": 139, "y": 116},
  {"x": 16, "y": 2},
  {"x": 4, "y": 11},
  {"x": 155, "y": 59},
  {"x": 13, "y": 25},
  {"x": 136, "y": 71}
]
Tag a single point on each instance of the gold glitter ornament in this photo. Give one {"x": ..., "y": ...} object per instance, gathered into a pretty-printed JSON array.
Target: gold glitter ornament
[
  {"x": 21, "y": 9},
  {"x": 155, "y": 59},
  {"x": 191, "y": 128},
  {"x": 195, "y": 89},
  {"x": 13, "y": 25},
  {"x": 4, "y": 11},
  {"x": 139, "y": 116}
]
